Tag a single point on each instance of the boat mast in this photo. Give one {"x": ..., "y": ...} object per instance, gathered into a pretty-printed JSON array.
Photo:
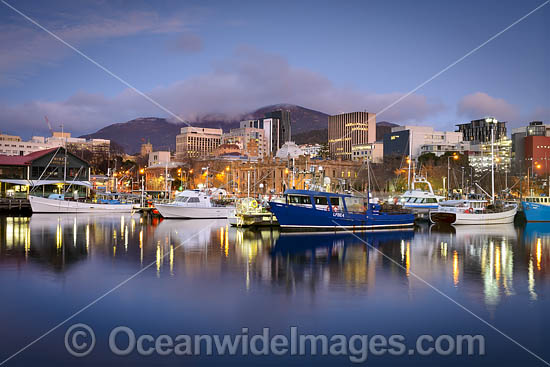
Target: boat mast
[
  {"x": 65, "y": 160},
  {"x": 410, "y": 161},
  {"x": 493, "y": 161},
  {"x": 368, "y": 183}
]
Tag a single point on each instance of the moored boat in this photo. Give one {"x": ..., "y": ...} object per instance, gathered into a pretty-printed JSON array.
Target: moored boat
[
  {"x": 418, "y": 200},
  {"x": 317, "y": 210},
  {"x": 194, "y": 204},
  {"x": 536, "y": 209},
  {"x": 57, "y": 203},
  {"x": 476, "y": 212}
]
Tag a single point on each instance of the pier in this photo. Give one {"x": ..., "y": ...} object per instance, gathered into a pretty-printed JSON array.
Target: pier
[{"x": 14, "y": 205}]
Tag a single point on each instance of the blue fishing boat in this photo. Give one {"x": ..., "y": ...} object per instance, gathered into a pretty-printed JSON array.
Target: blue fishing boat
[
  {"x": 317, "y": 210},
  {"x": 537, "y": 209}
]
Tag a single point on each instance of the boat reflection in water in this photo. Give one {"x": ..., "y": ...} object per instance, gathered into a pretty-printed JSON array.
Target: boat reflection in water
[
  {"x": 214, "y": 278},
  {"x": 475, "y": 257},
  {"x": 491, "y": 255}
]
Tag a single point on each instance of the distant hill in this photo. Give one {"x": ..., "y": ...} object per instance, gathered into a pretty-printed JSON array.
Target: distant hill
[{"x": 162, "y": 133}]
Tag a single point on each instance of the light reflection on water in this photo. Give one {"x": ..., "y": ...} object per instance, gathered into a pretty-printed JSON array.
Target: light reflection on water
[
  {"x": 486, "y": 268},
  {"x": 494, "y": 257}
]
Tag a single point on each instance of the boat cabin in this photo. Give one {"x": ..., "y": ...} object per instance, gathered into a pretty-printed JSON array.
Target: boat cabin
[
  {"x": 192, "y": 198},
  {"x": 326, "y": 201},
  {"x": 472, "y": 206},
  {"x": 538, "y": 199}
]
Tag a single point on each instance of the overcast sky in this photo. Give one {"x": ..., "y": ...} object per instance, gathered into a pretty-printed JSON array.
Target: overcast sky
[{"x": 231, "y": 57}]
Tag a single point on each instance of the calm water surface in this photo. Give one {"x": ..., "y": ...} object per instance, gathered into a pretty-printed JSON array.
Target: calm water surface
[{"x": 204, "y": 277}]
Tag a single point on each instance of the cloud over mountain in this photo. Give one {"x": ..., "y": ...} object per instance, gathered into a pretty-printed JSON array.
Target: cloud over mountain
[{"x": 249, "y": 79}]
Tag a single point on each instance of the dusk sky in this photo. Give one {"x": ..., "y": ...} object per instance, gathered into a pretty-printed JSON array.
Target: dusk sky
[{"x": 232, "y": 57}]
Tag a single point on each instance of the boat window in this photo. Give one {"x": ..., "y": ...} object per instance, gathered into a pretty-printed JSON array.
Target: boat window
[
  {"x": 320, "y": 200},
  {"x": 193, "y": 200},
  {"x": 334, "y": 201},
  {"x": 431, "y": 200},
  {"x": 354, "y": 204},
  {"x": 299, "y": 199},
  {"x": 182, "y": 199}
]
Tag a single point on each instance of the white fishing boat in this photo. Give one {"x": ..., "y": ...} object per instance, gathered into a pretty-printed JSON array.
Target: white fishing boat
[
  {"x": 56, "y": 203},
  {"x": 418, "y": 200},
  {"x": 477, "y": 212},
  {"x": 194, "y": 204}
]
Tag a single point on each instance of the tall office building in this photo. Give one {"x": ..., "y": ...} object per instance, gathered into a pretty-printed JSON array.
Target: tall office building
[
  {"x": 479, "y": 131},
  {"x": 276, "y": 126},
  {"x": 197, "y": 142},
  {"x": 527, "y": 137},
  {"x": 283, "y": 126},
  {"x": 350, "y": 130}
]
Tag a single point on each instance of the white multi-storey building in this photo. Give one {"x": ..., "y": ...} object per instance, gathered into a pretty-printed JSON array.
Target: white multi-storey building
[
  {"x": 14, "y": 145},
  {"x": 250, "y": 140},
  {"x": 197, "y": 141},
  {"x": 397, "y": 143}
]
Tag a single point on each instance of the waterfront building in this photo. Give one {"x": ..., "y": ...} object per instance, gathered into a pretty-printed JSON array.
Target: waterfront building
[
  {"x": 251, "y": 140},
  {"x": 537, "y": 154},
  {"x": 347, "y": 130},
  {"x": 397, "y": 142},
  {"x": 159, "y": 157},
  {"x": 160, "y": 178},
  {"x": 274, "y": 175},
  {"x": 14, "y": 145},
  {"x": 520, "y": 136},
  {"x": 197, "y": 141},
  {"x": 373, "y": 152},
  {"x": 440, "y": 149},
  {"x": 479, "y": 131},
  {"x": 45, "y": 169},
  {"x": 479, "y": 156}
]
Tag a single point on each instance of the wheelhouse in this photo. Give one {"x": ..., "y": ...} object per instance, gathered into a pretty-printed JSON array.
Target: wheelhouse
[
  {"x": 326, "y": 201},
  {"x": 538, "y": 199}
]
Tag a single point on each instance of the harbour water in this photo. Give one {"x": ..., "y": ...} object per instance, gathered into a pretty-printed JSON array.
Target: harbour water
[{"x": 203, "y": 277}]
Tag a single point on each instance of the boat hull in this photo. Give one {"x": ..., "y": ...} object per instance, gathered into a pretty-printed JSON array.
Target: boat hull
[
  {"x": 535, "y": 212},
  {"x": 459, "y": 218},
  {"x": 306, "y": 218},
  {"x": 170, "y": 211},
  {"x": 45, "y": 205}
]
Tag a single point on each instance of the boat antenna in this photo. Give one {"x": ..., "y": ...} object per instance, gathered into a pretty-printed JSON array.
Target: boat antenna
[{"x": 493, "y": 121}]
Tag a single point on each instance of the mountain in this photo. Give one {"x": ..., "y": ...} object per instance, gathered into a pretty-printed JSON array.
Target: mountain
[
  {"x": 162, "y": 133},
  {"x": 303, "y": 119}
]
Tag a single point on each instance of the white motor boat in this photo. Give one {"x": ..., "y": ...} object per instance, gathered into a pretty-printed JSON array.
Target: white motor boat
[
  {"x": 476, "y": 212},
  {"x": 420, "y": 201},
  {"x": 56, "y": 203},
  {"x": 194, "y": 204}
]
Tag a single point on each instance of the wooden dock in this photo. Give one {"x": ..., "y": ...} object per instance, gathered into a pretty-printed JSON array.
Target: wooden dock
[{"x": 14, "y": 205}]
